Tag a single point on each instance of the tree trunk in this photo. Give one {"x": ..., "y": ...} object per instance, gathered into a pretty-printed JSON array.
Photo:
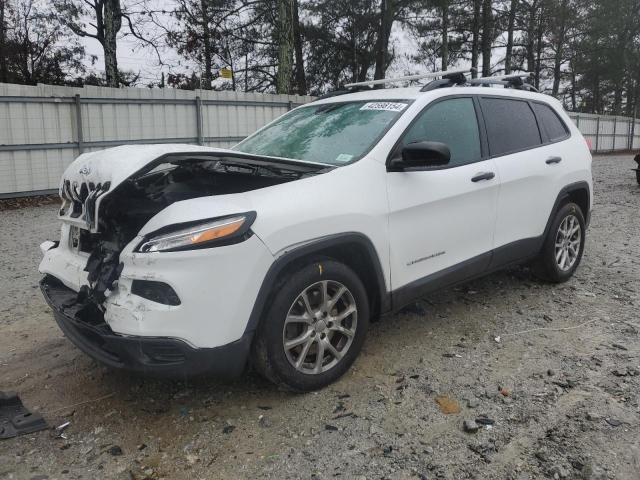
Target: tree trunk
[
  {"x": 574, "y": 86},
  {"x": 510, "y": 28},
  {"x": 301, "y": 80},
  {"x": 445, "y": 36},
  {"x": 285, "y": 46},
  {"x": 487, "y": 20},
  {"x": 539, "y": 45},
  {"x": 475, "y": 43},
  {"x": 3, "y": 39},
  {"x": 207, "y": 79},
  {"x": 382, "y": 44},
  {"x": 531, "y": 26},
  {"x": 561, "y": 34},
  {"x": 112, "y": 24}
]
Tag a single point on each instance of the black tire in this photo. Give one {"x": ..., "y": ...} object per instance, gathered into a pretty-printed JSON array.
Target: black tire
[
  {"x": 546, "y": 267},
  {"x": 268, "y": 352},
  {"x": 638, "y": 176}
]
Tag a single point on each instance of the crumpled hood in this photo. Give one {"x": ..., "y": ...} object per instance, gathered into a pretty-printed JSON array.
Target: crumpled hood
[
  {"x": 94, "y": 176},
  {"x": 115, "y": 165}
]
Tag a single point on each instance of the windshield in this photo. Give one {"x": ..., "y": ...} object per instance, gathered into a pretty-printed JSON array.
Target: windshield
[{"x": 333, "y": 133}]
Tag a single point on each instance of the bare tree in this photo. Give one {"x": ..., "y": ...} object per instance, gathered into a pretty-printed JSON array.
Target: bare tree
[
  {"x": 487, "y": 36},
  {"x": 301, "y": 80},
  {"x": 510, "y": 31},
  {"x": 103, "y": 22},
  {"x": 3, "y": 42},
  {"x": 284, "y": 32},
  {"x": 475, "y": 35}
]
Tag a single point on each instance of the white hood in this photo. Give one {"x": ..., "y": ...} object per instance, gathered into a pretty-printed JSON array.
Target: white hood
[
  {"x": 94, "y": 176},
  {"x": 115, "y": 165}
]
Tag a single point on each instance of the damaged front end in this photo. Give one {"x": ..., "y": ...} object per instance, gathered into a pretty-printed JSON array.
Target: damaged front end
[{"x": 104, "y": 209}]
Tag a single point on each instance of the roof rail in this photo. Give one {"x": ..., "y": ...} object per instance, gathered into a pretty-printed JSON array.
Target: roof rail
[
  {"x": 516, "y": 81},
  {"x": 408, "y": 78},
  {"x": 451, "y": 79}
]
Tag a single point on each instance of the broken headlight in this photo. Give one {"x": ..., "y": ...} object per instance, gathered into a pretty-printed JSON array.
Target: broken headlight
[{"x": 201, "y": 234}]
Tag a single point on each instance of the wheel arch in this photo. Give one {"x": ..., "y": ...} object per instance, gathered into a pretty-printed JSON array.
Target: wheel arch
[
  {"x": 353, "y": 249},
  {"x": 578, "y": 193}
]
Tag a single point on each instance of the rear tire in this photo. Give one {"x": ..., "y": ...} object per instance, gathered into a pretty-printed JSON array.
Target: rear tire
[
  {"x": 563, "y": 248},
  {"x": 314, "y": 328},
  {"x": 638, "y": 176}
]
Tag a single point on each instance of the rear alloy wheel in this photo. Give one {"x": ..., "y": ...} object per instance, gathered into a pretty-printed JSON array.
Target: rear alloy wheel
[
  {"x": 563, "y": 247},
  {"x": 314, "y": 327}
]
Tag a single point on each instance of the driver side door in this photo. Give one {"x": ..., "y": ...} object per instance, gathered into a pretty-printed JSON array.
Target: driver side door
[{"x": 442, "y": 219}]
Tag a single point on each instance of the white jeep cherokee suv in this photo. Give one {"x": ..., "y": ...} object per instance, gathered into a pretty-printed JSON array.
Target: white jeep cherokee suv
[{"x": 179, "y": 260}]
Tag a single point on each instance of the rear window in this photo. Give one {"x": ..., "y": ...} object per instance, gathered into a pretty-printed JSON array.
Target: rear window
[
  {"x": 511, "y": 125},
  {"x": 555, "y": 128}
]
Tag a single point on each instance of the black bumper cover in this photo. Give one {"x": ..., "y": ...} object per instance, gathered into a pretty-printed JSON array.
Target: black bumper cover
[{"x": 153, "y": 356}]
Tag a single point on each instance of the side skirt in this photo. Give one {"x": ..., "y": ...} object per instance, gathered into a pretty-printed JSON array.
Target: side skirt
[{"x": 484, "y": 264}]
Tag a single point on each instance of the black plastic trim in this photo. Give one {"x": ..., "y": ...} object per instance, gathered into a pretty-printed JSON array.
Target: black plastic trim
[
  {"x": 153, "y": 356},
  {"x": 308, "y": 249},
  {"x": 155, "y": 291},
  {"x": 453, "y": 275},
  {"x": 515, "y": 252},
  {"x": 563, "y": 195}
]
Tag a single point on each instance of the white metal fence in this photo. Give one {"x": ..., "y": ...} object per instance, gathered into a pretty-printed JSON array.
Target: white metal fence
[
  {"x": 608, "y": 133},
  {"x": 43, "y": 128}
]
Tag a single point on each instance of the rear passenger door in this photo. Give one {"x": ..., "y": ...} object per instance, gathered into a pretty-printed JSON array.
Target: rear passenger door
[{"x": 530, "y": 163}]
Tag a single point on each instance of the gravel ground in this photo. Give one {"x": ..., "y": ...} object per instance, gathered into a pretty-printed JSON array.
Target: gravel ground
[{"x": 561, "y": 384}]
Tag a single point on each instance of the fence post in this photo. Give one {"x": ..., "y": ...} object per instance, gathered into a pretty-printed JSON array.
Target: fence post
[
  {"x": 199, "y": 120},
  {"x": 290, "y": 105},
  {"x": 598, "y": 133},
  {"x": 615, "y": 126},
  {"x": 79, "y": 124}
]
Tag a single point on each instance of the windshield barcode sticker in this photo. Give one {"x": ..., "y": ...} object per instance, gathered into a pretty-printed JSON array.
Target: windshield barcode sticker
[{"x": 385, "y": 106}]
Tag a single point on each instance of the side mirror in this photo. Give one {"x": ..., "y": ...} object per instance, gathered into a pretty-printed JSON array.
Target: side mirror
[{"x": 423, "y": 154}]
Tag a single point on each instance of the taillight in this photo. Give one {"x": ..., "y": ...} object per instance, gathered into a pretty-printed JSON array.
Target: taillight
[{"x": 589, "y": 144}]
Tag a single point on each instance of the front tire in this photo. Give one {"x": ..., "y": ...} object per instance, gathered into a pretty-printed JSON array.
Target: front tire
[
  {"x": 314, "y": 328},
  {"x": 563, "y": 248}
]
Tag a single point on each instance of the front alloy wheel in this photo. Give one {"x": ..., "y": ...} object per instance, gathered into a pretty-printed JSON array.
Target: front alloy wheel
[
  {"x": 314, "y": 327},
  {"x": 320, "y": 327}
]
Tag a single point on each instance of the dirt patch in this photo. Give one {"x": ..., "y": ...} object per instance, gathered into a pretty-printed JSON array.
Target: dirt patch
[
  {"x": 24, "y": 202},
  {"x": 547, "y": 373}
]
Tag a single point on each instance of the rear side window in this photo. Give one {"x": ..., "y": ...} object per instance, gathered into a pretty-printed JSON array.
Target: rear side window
[
  {"x": 555, "y": 128},
  {"x": 511, "y": 125},
  {"x": 453, "y": 122}
]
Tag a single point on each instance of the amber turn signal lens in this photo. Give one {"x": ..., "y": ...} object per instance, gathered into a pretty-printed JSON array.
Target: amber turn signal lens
[{"x": 217, "y": 232}]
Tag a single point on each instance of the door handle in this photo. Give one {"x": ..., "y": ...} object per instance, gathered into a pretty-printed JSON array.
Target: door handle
[
  {"x": 483, "y": 176},
  {"x": 552, "y": 160}
]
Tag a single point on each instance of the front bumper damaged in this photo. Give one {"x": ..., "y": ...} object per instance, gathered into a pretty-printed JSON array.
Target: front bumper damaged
[{"x": 153, "y": 356}]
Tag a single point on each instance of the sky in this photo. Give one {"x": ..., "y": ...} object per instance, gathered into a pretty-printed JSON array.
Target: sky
[{"x": 143, "y": 60}]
